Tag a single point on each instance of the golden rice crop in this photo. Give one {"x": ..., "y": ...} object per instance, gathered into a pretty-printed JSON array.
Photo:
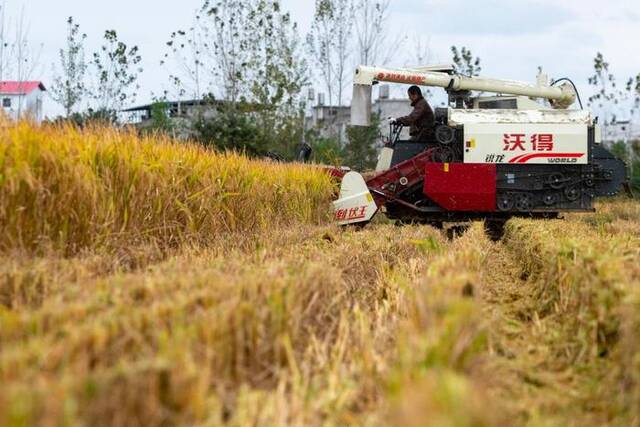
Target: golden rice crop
[
  {"x": 145, "y": 282},
  {"x": 73, "y": 189}
]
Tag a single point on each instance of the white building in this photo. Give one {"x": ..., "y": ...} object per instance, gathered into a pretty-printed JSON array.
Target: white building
[
  {"x": 621, "y": 130},
  {"x": 22, "y": 99},
  {"x": 332, "y": 121}
]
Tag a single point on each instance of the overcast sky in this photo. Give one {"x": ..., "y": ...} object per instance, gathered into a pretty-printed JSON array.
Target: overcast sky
[{"x": 513, "y": 37}]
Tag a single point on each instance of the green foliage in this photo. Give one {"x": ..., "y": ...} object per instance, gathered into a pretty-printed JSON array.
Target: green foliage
[
  {"x": 464, "y": 62},
  {"x": 89, "y": 118},
  {"x": 69, "y": 86},
  {"x": 248, "y": 53},
  {"x": 228, "y": 130},
  {"x": 117, "y": 69},
  {"x": 241, "y": 51},
  {"x": 160, "y": 119},
  {"x": 286, "y": 137},
  {"x": 608, "y": 97},
  {"x": 619, "y": 149},
  {"x": 360, "y": 152},
  {"x": 635, "y": 164},
  {"x": 604, "y": 82},
  {"x": 635, "y": 177},
  {"x": 630, "y": 153},
  {"x": 277, "y": 70},
  {"x": 239, "y": 130},
  {"x": 326, "y": 151},
  {"x": 633, "y": 92}
]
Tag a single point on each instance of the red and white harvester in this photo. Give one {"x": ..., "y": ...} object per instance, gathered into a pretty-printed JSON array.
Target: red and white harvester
[{"x": 522, "y": 152}]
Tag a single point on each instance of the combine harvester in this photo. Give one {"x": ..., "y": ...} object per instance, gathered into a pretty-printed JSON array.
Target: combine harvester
[{"x": 520, "y": 153}]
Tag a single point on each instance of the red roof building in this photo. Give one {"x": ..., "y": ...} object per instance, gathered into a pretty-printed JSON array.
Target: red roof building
[
  {"x": 22, "y": 99},
  {"x": 20, "y": 88}
]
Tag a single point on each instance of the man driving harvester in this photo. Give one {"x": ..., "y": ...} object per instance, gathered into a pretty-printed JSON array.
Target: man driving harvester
[{"x": 421, "y": 119}]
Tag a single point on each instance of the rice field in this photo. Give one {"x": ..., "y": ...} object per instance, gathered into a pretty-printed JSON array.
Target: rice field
[{"x": 148, "y": 283}]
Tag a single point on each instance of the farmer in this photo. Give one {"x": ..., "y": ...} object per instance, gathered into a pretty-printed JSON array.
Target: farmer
[{"x": 421, "y": 119}]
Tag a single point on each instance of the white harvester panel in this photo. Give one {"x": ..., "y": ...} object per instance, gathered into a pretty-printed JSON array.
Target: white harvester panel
[
  {"x": 526, "y": 143},
  {"x": 356, "y": 204}
]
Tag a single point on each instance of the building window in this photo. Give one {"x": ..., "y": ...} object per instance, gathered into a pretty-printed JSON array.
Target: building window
[{"x": 6, "y": 102}]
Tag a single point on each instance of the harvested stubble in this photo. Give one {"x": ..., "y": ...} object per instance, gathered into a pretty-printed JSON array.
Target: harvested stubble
[
  {"x": 67, "y": 189},
  {"x": 300, "y": 333},
  {"x": 562, "y": 300}
]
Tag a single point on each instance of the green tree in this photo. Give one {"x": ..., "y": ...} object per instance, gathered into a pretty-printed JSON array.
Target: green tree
[
  {"x": 117, "y": 68},
  {"x": 635, "y": 165},
  {"x": 630, "y": 153},
  {"x": 633, "y": 91},
  {"x": 374, "y": 44},
  {"x": 160, "y": 118},
  {"x": 69, "y": 85},
  {"x": 229, "y": 130},
  {"x": 248, "y": 53},
  {"x": 603, "y": 81},
  {"x": 278, "y": 72},
  {"x": 360, "y": 152},
  {"x": 607, "y": 96},
  {"x": 326, "y": 151},
  {"x": 464, "y": 63}
]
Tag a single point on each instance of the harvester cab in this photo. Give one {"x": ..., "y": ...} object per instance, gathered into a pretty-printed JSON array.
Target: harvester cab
[{"x": 488, "y": 157}]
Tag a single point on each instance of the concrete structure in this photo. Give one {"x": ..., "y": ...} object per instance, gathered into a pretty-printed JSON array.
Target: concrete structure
[
  {"x": 182, "y": 114},
  {"x": 329, "y": 121},
  {"x": 333, "y": 121},
  {"x": 394, "y": 108},
  {"x": 176, "y": 110},
  {"x": 622, "y": 130},
  {"x": 23, "y": 99}
]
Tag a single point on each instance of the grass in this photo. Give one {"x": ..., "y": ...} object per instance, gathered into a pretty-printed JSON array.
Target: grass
[{"x": 148, "y": 283}]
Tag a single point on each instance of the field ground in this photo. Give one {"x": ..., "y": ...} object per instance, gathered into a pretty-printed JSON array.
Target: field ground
[{"x": 154, "y": 319}]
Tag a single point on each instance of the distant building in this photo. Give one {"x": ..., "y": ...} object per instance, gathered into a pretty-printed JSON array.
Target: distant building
[
  {"x": 621, "y": 131},
  {"x": 328, "y": 121},
  {"x": 387, "y": 108},
  {"x": 181, "y": 113},
  {"x": 23, "y": 99},
  {"x": 176, "y": 110},
  {"x": 333, "y": 121}
]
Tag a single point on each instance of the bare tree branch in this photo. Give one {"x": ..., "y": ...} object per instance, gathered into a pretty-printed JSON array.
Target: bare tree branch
[{"x": 371, "y": 23}]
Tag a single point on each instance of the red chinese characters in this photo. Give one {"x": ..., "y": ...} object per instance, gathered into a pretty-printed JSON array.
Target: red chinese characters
[
  {"x": 401, "y": 78},
  {"x": 542, "y": 142},
  {"x": 351, "y": 214},
  {"x": 514, "y": 141},
  {"x": 520, "y": 142}
]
